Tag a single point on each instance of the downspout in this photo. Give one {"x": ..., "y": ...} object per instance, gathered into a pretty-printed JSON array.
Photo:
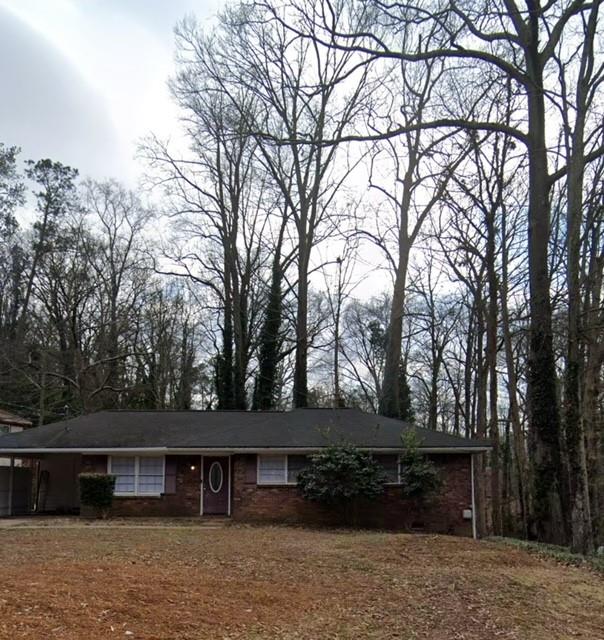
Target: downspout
[
  {"x": 11, "y": 483},
  {"x": 474, "y": 532}
]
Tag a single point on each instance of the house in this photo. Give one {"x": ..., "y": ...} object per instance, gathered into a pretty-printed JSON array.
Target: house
[
  {"x": 239, "y": 464},
  {"x": 10, "y": 423}
]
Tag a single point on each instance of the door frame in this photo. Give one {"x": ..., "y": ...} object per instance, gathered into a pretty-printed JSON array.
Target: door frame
[{"x": 201, "y": 487}]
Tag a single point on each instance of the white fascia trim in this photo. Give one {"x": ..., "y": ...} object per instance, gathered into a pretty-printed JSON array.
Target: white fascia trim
[
  {"x": 229, "y": 450},
  {"x": 453, "y": 449}
]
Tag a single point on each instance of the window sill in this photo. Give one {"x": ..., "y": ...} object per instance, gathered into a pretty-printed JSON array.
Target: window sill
[
  {"x": 121, "y": 496},
  {"x": 276, "y": 484}
]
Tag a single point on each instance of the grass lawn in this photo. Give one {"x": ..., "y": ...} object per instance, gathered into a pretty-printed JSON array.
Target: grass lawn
[{"x": 246, "y": 582}]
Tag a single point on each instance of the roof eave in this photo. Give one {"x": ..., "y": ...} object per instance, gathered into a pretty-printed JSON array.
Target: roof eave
[{"x": 225, "y": 450}]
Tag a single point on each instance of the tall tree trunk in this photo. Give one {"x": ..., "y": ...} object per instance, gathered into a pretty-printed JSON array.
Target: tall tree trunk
[
  {"x": 550, "y": 505},
  {"x": 520, "y": 453},
  {"x": 301, "y": 365},
  {"x": 390, "y": 399},
  {"x": 592, "y": 383},
  {"x": 224, "y": 365},
  {"x": 491, "y": 364},
  {"x": 582, "y": 539},
  {"x": 481, "y": 415},
  {"x": 581, "y": 529},
  {"x": 268, "y": 358},
  {"x": 469, "y": 375}
]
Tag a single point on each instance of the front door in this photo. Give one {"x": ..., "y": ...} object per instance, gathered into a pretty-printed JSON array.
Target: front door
[{"x": 215, "y": 485}]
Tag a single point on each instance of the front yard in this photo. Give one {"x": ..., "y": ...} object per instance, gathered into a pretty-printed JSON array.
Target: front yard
[{"x": 246, "y": 582}]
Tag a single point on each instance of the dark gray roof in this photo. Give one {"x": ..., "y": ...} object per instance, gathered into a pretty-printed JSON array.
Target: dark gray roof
[{"x": 299, "y": 428}]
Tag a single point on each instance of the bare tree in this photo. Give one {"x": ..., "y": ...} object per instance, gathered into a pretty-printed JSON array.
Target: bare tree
[{"x": 516, "y": 44}]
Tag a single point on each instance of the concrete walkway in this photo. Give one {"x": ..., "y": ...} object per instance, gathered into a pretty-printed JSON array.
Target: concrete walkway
[{"x": 75, "y": 522}]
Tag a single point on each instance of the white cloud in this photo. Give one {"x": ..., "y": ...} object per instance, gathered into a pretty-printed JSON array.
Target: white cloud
[{"x": 117, "y": 56}]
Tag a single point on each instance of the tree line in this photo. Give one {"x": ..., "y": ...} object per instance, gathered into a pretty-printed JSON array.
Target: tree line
[{"x": 450, "y": 154}]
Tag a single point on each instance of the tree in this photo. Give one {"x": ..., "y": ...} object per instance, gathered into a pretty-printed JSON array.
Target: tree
[
  {"x": 116, "y": 256},
  {"x": 342, "y": 476},
  {"x": 54, "y": 200},
  {"x": 302, "y": 95},
  {"x": 271, "y": 339},
  {"x": 499, "y": 40},
  {"x": 419, "y": 476},
  {"x": 12, "y": 192},
  {"x": 364, "y": 346},
  {"x": 219, "y": 201},
  {"x": 587, "y": 80}
]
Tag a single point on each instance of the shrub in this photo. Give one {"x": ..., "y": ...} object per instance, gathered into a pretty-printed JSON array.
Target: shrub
[
  {"x": 341, "y": 476},
  {"x": 419, "y": 476},
  {"x": 96, "y": 491}
]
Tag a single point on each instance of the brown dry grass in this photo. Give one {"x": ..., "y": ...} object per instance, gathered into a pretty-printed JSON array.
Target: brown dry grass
[{"x": 244, "y": 582}]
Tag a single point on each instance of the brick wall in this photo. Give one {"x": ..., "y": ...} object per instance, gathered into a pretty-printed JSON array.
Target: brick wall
[
  {"x": 254, "y": 503},
  {"x": 182, "y": 499},
  {"x": 443, "y": 514}
]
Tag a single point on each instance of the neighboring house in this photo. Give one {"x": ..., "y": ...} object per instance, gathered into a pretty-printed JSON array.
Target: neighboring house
[
  {"x": 10, "y": 423},
  {"x": 15, "y": 483},
  {"x": 240, "y": 464}
]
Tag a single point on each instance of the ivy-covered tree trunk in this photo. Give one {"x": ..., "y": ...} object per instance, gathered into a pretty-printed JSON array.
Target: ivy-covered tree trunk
[
  {"x": 544, "y": 418},
  {"x": 405, "y": 407},
  {"x": 270, "y": 340},
  {"x": 224, "y": 361}
]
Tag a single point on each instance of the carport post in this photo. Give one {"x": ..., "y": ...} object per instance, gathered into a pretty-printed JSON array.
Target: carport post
[{"x": 11, "y": 478}]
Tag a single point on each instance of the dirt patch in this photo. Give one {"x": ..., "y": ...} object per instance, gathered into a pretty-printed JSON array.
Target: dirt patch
[{"x": 247, "y": 582}]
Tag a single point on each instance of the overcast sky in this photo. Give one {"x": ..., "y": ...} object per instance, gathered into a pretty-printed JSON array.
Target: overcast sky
[{"x": 82, "y": 80}]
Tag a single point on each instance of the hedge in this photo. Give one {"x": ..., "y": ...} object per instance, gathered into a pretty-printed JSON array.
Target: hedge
[{"x": 96, "y": 491}]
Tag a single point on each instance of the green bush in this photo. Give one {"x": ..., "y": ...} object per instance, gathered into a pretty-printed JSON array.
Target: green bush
[
  {"x": 419, "y": 476},
  {"x": 341, "y": 476},
  {"x": 96, "y": 491}
]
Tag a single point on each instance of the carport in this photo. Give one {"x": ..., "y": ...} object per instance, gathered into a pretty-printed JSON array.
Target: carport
[
  {"x": 39, "y": 483},
  {"x": 15, "y": 489}
]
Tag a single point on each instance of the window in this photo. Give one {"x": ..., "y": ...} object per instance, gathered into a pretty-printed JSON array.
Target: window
[
  {"x": 215, "y": 477},
  {"x": 272, "y": 469},
  {"x": 150, "y": 476},
  {"x": 137, "y": 475},
  {"x": 282, "y": 469},
  {"x": 390, "y": 464},
  {"x": 295, "y": 464},
  {"x": 124, "y": 470},
  {"x": 4, "y": 428}
]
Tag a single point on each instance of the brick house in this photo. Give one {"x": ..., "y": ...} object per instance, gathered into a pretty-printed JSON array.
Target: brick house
[{"x": 241, "y": 465}]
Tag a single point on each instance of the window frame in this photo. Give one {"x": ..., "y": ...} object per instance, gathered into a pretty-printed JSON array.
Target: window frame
[
  {"x": 398, "y": 471},
  {"x": 286, "y": 470},
  {"x": 397, "y": 482},
  {"x": 293, "y": 484},
  {"x": 136, "y": 493}
]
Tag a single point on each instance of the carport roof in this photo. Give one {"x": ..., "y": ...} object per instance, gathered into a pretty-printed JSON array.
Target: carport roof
[{"x": 301, "y": 429}]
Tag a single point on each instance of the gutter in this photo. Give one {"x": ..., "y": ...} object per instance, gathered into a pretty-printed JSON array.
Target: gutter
[{"x": 231, "y": 450}]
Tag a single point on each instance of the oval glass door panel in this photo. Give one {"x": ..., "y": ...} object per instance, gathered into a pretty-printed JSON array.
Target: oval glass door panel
[{"x": 215, "y": 477}]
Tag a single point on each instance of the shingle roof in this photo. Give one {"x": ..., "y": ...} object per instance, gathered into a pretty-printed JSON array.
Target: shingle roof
[
  {"x": 13, "y": 420},
  {"x": 299, "y": 429}
]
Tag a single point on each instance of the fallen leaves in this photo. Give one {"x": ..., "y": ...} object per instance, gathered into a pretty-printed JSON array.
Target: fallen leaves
[{"x": 269, "y": 582}]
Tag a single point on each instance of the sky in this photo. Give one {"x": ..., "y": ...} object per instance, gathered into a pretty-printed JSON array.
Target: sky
[{"x": 84, "y": 80}]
